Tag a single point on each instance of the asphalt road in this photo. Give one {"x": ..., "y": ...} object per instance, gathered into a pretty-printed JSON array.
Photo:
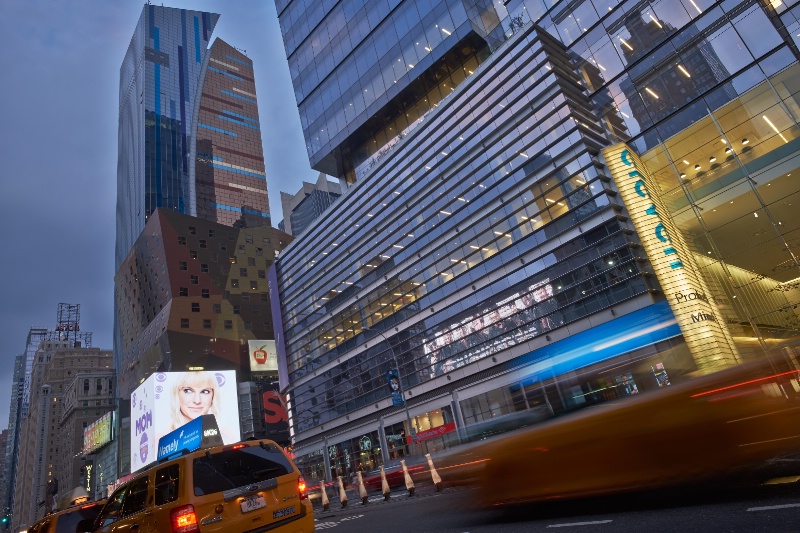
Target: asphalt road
[{"x": 725, "y": 507}]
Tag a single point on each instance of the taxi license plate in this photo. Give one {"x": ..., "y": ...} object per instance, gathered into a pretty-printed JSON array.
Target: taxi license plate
[
  {"x": 251, "y": 503},
  {"x": 280, "y": 513}
]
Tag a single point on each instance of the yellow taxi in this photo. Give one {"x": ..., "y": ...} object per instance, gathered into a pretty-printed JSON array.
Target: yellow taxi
[
  {"x": 67, "y": 520},
  {"x": 251, "y": 487}
]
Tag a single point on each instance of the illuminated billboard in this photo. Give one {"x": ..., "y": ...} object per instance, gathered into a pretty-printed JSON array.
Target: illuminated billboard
[
  {"x": 263, "y": 356},
  {"x": 511, "y": 320},
  {"x": 98, "y": 433},
  {"x": 168, "y": 400}
]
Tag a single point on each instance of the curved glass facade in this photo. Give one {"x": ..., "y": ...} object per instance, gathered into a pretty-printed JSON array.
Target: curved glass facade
[
  {"x": 158, "y": 82},
  {"x": 478, "y": 240}
]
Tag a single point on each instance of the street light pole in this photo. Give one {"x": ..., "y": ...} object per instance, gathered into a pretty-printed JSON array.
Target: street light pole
[{"x": 400, "y": 385}]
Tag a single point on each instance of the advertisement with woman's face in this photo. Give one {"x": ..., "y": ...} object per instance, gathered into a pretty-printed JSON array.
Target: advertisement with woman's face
[{"x": 167, "y": 400}]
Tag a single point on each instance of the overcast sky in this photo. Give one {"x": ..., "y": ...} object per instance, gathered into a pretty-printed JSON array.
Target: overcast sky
[{"x": 59, "y": 83}]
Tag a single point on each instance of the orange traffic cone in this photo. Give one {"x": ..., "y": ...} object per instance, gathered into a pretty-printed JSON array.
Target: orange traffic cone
[
  {"x": 409, "y": 481},
  {"x": 362, "y": 490},
  {"x": 326, "y": 504},
  {"x": 385, "y": 486},
  {"x": 436, "y": 479},
  {"x": 342, "y": 493}
]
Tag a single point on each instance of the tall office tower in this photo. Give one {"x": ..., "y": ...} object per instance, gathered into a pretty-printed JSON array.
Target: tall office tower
[
  {"x": 50, "y": 459},
  {"x": 189, "y": 132},
  {"x": 67, "y": 330},
  {"x": 303, "y": 207},
  {"x": 12, "y": 442},
  {"x": 550, "y": 205}
]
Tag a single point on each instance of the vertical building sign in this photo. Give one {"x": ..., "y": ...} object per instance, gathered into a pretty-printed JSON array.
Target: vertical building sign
[{"x": 704, "y": 330}]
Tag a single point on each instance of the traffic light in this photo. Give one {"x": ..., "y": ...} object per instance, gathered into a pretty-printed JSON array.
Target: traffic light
[{"x": 5, "y": 520}]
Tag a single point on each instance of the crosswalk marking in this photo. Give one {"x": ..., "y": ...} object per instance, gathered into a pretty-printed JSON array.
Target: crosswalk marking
[{"x": 592, "y": 523}]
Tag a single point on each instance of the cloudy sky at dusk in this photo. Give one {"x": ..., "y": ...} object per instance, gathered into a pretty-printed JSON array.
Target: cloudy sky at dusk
[{"x": 58, "y": 151}]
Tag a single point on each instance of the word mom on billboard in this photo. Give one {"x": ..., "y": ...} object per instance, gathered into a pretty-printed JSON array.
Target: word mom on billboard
[{"x": 168, "y": 400}]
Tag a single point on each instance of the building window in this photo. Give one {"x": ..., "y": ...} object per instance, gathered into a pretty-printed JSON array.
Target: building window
[
  {"x": 243, "y": 272},
  {"x": 248, "y": 239},
  {"x": 205, "y": 293},
  {"x": 248, "y": 325},
  {"x": 195, "y": 307},
  {"x": 233, "y": 259},
  {"x": 237, "y": 309},
  {"x": 215, "y": 257},
  {"x": 226, "y": 295},
  {"x": 184, "y": 291},
  {"x": 206, "y": 323},
  {"x": 256, "y": 309},
  {"x": 211, "y": 233},
  {"x": 266, "y": 240},
  {"x": 194, "y": 280},
  {"x": 229, "y": 324},
  {"x": 193, "y": 254},
  {"x": 192, "y": 230},
  {"x": 234, "y": 283},
  {"x": 251, "y": 261},
  {"x": 259, "y": 251},
  {"x": 264, "y": 296},
  {"x": 262, "y": 274},
  {"x": 203, "y": 267},
  {"x": 185, "y": 323},
  {"x": 182, "y": 265},
  {"x": 182, "y": 241},
  {"x": 241, "y": 249},
  {"x": 217, "y": 308},
  {"x": 203, "y": 243},
  {"x": 245, "y": 296},
  {"x": 253, "y": 285}
]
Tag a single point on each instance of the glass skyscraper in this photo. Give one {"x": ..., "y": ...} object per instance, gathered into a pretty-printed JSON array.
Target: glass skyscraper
[
  {"x": 550, "y": 205},
  {"x": 189, "y": 135}
]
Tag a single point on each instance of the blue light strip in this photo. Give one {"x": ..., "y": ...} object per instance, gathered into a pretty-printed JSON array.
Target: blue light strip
[
  {"x": 228, "y": 93},
  {"x": 636, "y": 330},
  {"x": 237, "y": 171},
  {"x": 209, "y": 156},
  {"x": 239, "y": 122},
  {"x": 239, "y": 210},
  {"x": 212, "y": 128},
  {"x": 196, "y": 40},
  {"x": 218, "y": 71},
  {"x": 245, "y": 63},
  {"x": 240, "y": 116}
]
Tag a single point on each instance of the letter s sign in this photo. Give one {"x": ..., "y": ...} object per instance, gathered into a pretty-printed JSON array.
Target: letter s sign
[{"x": 274, "y": 408}]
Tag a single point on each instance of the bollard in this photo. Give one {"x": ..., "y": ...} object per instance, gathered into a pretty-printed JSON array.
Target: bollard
[
  {"x": 385, "y": 486},
  {"x": 325, "y": 503},
  {"x": 436, "y": 479},
  {"x": 409, "y": 481},
  {"x": 342, "y": 493},
  {"x": 362, "y": 490}
]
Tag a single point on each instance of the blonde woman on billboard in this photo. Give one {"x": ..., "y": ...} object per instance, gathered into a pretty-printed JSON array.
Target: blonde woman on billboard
[{"x": 195, "y": 394}]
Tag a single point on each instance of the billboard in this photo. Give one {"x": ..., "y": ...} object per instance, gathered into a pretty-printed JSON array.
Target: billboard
[
  {"x": 263, "y": 356},
  {"x": 98, "y": 433},
  {"x": 168, "y": 400},
  {"x": 507, "y": 321}
]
